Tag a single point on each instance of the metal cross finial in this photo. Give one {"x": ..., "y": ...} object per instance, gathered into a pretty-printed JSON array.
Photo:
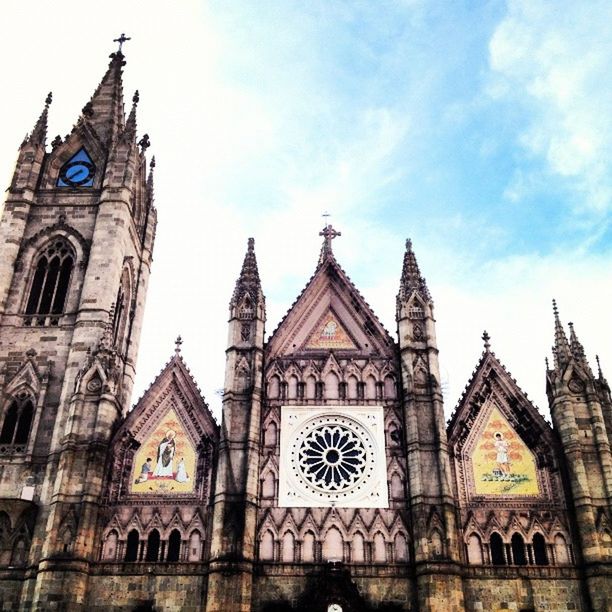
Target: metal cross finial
[
  {"x": 177, "y": 344},
  {"x": 123, "y": 38}
]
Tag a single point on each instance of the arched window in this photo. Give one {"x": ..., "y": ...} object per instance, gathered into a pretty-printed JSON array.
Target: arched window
[
  {"x": 370, "y": 387},
  {"x": 121, "y": 309},
  {"x": 174, "y": 545},
  {"x": 401, "y": 548},
  {"x": 268, "y": 486},
  {"x": 110, "y": 546},
  {"x": 397, "y": 486},
  {"x": 270, "y": 434},
  {"x": 308, "y": 547},
  {"x": 51, "y": 277},
  {"x": 561, "y": 551},
  {"x": 153, "y": 546},
  {"x": 333, "y": 546},
  {"x": 352, "y": 387},
  {"x": 288, "y": 547},
  {"x": 380, "y": 549},
  {"x": 19, "y": 552},
  {"x": 518, "y": 549},
  {"x": 131, "y": 548},
  {"x": 539, "y": 550},
  {"x": 17, "y": 421},
  {"x": 273, "y": 387},
  {"x": 435, "y": 542},
  {"x": 293, "y": 385},
  {"x": 195, "y": 546},
  {"x": 311, "y": 387},
  {"x": 357, "y": 548},
  {"x": 331, "y": 386},
  {"x": 474, "y": 550},
  {"x": 497, "y": 550},
  {"x": 390, "y": 388},
  {"x": 266, "y": 548}
]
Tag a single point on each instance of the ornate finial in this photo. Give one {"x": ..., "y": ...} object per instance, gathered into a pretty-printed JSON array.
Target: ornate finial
[
  {"x": 49, "y": 99},
  {"x": 136, "y": 97},
  {"x": 56, "y": 142},
  {"x": 152, "y": 163},
  {"x": 546, "y": 362},
  {"x": 177, "y": 344},
  {"x": 486, "y": 338},
  {"x": 251, "y": 244},
  {"x": 555, "y": 309},
  {"x": 144, "y": 143},
  {"x": 571, "y": 326},
  {"x": 408, "y": 244},
  {"x": 328, "y": 233},
  {"x": 123, "y": 38}
]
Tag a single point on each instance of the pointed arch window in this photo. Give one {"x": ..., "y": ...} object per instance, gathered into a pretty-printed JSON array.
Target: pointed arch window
[
  {"x": 51, "y": 278},
  {"x": 498, "y": 556},
  {"x": 153, "y": 542},
  {"x": 121, "y": 309},
  {"x": 17, "y": 421},
  {"x": 131, "y": 548},
  {"x": 174, "y": 545}
]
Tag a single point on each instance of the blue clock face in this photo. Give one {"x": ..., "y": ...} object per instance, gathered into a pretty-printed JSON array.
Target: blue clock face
[{"x": 78, "y": 171}]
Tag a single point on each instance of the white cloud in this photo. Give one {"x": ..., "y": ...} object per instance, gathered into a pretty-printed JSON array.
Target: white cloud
[{"x": 553, "y": 59}]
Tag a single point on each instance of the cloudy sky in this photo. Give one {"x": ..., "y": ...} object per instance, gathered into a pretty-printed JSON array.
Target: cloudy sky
[{"x": 480, "y": 129}]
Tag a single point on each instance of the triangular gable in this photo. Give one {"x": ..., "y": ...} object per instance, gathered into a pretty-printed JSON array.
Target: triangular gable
[
  {"x": 168, "y": 426},
  {"x": 499, "y": 435},
  {"x": 330, "y": 314}
]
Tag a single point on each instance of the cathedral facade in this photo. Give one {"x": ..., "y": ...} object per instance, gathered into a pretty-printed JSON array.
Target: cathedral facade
[{"x": 332, "y": 484}]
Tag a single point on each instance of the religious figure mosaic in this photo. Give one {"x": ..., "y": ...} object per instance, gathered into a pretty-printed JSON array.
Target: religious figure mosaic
[
  {"x": 502, "y": 463},
  {"x": 165, "y": 463},
  {"x": 329, "y": 334}
]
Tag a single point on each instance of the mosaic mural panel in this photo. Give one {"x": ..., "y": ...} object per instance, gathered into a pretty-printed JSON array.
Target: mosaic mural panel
[
  {"x": 502, "y": 463},
  {"x": 329, "y": 334},
  {"x": 165, "y": 463}
]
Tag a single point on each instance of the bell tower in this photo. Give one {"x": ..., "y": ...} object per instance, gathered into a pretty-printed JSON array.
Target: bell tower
[
  {"x": 431, "y": 500},
  {"x": 77, "y": 235}
]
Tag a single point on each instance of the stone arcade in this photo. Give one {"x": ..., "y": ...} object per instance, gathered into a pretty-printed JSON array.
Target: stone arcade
[{"x": 333, "y": 483}]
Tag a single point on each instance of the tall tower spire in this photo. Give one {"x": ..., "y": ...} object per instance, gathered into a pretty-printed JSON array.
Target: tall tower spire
[
  {"x": 248, "y": 282},
  {"x": 411, "y": 279},
  {"x": 104, "y": 112}
]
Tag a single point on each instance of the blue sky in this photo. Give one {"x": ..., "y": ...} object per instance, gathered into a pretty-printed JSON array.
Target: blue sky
[{"x": 480, "y": 129}]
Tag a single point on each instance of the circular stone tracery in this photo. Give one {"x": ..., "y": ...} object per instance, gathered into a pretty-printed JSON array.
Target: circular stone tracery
[{"x": 332, "y": 457}]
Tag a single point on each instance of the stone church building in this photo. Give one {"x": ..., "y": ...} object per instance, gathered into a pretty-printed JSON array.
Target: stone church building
[{"x": 332, "y": 484}]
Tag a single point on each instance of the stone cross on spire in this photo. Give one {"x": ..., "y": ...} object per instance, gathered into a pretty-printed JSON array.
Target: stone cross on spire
[
  {"x": 123, "y": 38},
  {"x": 328, "y": 233}
]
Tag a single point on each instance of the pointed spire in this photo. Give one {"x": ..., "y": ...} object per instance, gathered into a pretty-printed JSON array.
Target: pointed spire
[
  {"x": 248, "y": 281},
  {"x": 129, "y": 133},
  {"x": 578, "y": 350},
  {"x": 150, "y": 186},
  {"x": 561, "y": 350},
  {"x": 39, "y": 133},
  {"x": 104, "y": 111},
  {"x": 328, "y": 233},
  {"x": 411, "y": 276}
]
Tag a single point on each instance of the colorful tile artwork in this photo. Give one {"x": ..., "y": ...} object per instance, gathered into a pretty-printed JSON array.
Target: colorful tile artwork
[
  {"x": 502, "y": 463},
  {"x": 165, "y": 463},
  {"x": 329, "y": 334}
]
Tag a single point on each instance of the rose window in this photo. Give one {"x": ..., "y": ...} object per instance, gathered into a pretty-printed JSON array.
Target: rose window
[{"x": 332, "y": 457}]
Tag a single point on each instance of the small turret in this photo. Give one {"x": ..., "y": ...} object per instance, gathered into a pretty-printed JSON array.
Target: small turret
[{"x": 38, "y": 136}]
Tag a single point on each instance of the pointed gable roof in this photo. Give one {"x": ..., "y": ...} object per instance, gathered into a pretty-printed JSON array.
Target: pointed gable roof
[
  {"x": 174, "y": 380},
  {"x": 329, "y": 295},
  {"x": 491, "y": 380}
]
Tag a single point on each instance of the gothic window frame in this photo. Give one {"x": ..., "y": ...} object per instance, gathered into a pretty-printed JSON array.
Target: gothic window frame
[
  {"x": 31, "y": 251},
  {"x": 48, "y": 287},
  {"x": 123, "y": 307},
  {"x": 17, "y": 403}
]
